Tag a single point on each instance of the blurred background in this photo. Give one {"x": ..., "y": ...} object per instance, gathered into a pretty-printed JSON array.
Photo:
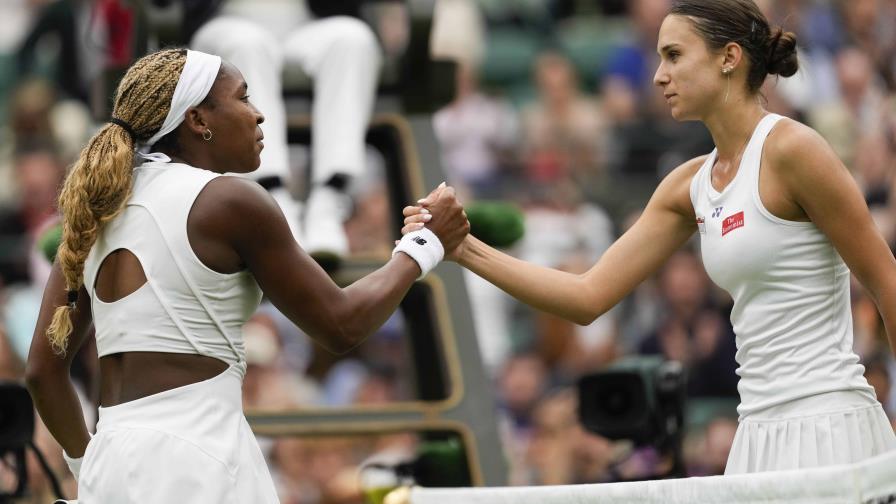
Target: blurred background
[{"x": 546, "y": 104}]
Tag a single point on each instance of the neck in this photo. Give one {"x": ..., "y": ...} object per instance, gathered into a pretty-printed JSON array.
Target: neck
[
  {"x": 732, "y": 124},
  {"x": 192, "y": 157}
]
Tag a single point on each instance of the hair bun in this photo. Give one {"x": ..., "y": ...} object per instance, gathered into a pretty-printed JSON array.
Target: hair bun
[{"x": 782, "y": 58}]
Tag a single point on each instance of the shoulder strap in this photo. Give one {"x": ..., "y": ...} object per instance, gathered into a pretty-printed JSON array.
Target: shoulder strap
[
  {"x": 170, "y": 212},
  {"x": 753, "y": 152}
]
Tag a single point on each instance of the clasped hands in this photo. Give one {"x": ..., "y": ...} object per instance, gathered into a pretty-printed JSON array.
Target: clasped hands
[{"x": 441, "y": 213}]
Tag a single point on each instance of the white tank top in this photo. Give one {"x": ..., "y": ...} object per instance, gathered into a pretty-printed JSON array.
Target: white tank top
[
  {"x": 790, "y": 287},
  {"x": 184, "y": 306}
]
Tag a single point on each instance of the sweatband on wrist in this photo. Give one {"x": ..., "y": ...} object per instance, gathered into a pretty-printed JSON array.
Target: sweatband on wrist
[
  {"x": 424, "y": 247},
  {"x": 74, "y": 464}
]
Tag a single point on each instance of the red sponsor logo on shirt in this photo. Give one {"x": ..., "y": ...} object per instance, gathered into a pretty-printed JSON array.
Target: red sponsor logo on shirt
[{"x": 733, "y": 222}]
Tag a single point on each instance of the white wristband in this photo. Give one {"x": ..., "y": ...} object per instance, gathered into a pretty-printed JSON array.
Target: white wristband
[
  {"x": 74, "y": 464},
  {"x": 424, "y": 247}
]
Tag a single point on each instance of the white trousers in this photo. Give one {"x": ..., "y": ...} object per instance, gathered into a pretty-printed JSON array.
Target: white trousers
[
  {"x": 342, "y": 56},
  {"x": 828, "y": 429},
  {"x": 188, "y": 444}
]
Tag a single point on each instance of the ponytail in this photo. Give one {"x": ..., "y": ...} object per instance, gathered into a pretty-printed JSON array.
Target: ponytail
[
  {"x": 100, "y": 182},
  {"x": 94, "y": 193}
]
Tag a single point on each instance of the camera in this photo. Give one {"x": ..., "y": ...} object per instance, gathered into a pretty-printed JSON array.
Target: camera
[
  {"x": 641, "y": 399},
  {"x": 16, "y": 430}
]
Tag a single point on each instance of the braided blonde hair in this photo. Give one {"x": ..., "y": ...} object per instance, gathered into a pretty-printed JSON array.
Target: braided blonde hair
[{"x": 99, "y": 183}]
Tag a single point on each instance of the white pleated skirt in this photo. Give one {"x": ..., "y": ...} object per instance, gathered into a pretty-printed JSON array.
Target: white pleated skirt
[
  {"x": 827, "y": 429},
  {"x": 188, "y": 444}
]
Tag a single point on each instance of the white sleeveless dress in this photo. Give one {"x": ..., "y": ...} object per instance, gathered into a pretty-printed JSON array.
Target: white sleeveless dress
[
  {"x": 804, "y": 399},
  {"x": 192, "y": 443}
]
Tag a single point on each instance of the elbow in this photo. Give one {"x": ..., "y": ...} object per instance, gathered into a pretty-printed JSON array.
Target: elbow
[
  {"x": 586, "y": 315},
  {"x": 35, "y": 377},
  {"x": 41, "y": 374},
  {"x": 342, "y": 340},
  {"x": 585, "y": 318},
  {"x": 589, "y": 307}
]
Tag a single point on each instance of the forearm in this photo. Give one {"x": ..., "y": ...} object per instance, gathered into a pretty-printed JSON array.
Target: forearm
[
  {"x": 886, "y": 304},
  {"x": 60, "y": 410},
  {"x": 369, "y": 302},
  {"x": 560, "y": 293},
  {"x": 47, "y": 372}
]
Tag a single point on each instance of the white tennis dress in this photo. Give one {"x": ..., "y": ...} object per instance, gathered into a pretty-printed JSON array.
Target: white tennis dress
[
  {"x": 804, "y": 399},
  {"x": 192, "y": 443}
]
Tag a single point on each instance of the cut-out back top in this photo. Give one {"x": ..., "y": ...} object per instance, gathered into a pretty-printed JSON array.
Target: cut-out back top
[{"x": 184, "y": 306}]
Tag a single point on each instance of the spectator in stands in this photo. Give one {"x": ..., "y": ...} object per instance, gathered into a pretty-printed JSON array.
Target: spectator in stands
[
  {"x": 646, "y": 142},
  {"x": 859, "y": 108},
  {"x": 269, "y": 385},
  {"x": 96, "y": 41},
  {"x": 37, "y": 177},
  {"x": 521, "y": 384},
  {"x": 476, "y": 133},
  {"x": 561, "y": 451},
  {"x": 693, "y": 331},
  {"x": 588, "y": 232},
  {"x": 868, "y": 24},
  {"x": 878, "y": 371},
  {"x": 563, "y": 129},
  {"x": 713, "y": 448}
]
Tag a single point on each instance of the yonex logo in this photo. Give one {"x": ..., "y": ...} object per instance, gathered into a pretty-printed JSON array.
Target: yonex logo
[
  {"x": 717, "y": 212},
  {"x": 419, "y": 241}
]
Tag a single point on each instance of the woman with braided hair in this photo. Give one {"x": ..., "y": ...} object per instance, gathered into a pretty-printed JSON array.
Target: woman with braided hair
[
  {"x": 168, "y": 259},
  {"x": 781, "y": 224}
]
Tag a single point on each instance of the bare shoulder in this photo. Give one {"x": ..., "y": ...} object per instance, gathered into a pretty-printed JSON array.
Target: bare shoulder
[
  {"x": 235, "y": 196},
  {"x": 674, "y": 191},
  {"x": 791, "y": 143},
  {"x": 686, "y": 171},
  {"x": 234, "y": 206}
]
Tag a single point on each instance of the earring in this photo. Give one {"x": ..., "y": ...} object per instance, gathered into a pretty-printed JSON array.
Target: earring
[
  {"x": 207, "y": 135},
  {"x": 727, "y": 73}
]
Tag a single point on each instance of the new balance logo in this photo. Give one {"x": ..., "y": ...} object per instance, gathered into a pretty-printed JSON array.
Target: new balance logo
[
  {"x": 419, "y": 241},
  {"x": 717, "y": 212}
]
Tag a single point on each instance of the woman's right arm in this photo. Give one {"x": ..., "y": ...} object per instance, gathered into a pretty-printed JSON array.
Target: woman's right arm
[
  {"x": 47, "y": 372},
  {"x": 252, "y": 224},
  {"x": 666, "y": 223}
]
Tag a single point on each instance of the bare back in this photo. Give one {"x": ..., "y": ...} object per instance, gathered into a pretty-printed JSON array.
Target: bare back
[{"x": 132, "y": 375}]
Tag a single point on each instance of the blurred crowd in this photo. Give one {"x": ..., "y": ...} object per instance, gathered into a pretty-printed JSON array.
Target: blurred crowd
[{"x": 555, "y": 111}]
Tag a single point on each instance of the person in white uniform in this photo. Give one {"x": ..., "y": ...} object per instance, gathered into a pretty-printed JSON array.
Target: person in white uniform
[
  {"x": 343, "y": 57},
  {"x": 168, "y": 260},
  {"x": 781, "y": 225}
]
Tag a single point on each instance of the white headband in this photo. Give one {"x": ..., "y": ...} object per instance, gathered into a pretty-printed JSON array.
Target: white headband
[{"x": 193, "y": 85}]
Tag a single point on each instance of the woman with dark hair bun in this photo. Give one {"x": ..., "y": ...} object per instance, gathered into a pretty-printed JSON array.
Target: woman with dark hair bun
[{"x": 781, "y": 225}]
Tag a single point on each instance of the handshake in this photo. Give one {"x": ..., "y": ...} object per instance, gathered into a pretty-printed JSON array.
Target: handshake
[{"x": 438, "y": 225}]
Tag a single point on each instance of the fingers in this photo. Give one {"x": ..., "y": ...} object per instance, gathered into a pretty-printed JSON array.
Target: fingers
[
  {"x": 414, "y": 226},
  {"x": 418, "y": 218},
  {"x": 413, "y": 210},
  {"x": 443, "y": 200}
]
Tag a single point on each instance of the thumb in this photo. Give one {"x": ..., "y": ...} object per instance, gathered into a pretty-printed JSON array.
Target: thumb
[{"x": 432, "y": 196}]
